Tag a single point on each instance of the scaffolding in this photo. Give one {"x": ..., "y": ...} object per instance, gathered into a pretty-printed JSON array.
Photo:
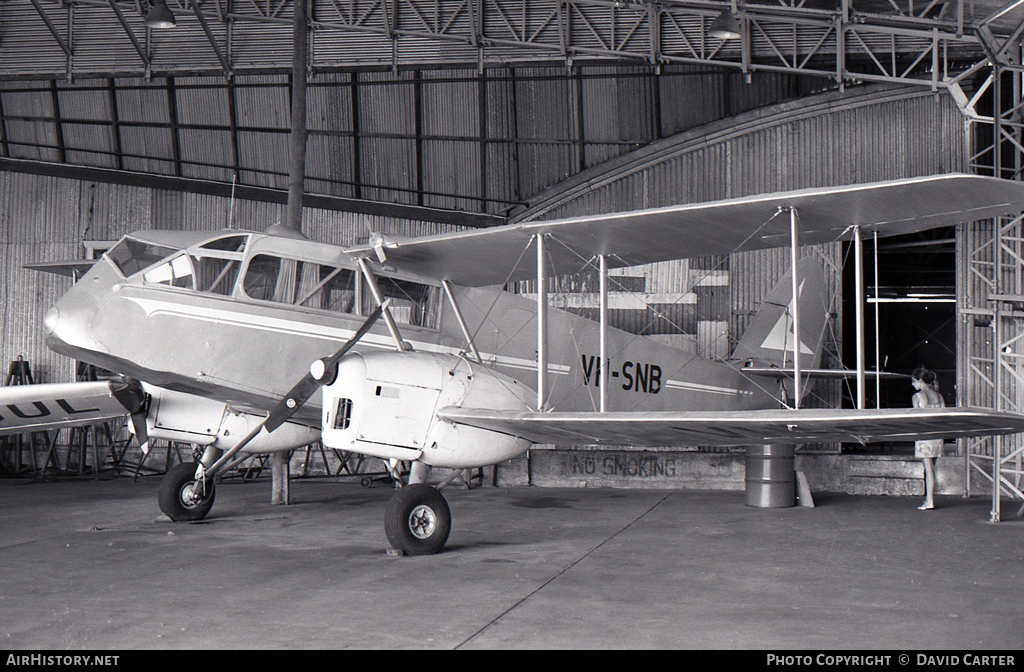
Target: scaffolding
[{"x": 990, "y": 275}]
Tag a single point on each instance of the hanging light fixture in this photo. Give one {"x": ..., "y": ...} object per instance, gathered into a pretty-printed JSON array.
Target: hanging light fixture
[
  {"x": 725, "y": 26},
  {"x": 159, "y": 16}
]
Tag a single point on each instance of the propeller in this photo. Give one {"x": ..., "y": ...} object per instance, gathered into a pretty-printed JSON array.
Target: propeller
[
  {"x": 130, "y": 394},
  {"x": 322, "y": 372}
]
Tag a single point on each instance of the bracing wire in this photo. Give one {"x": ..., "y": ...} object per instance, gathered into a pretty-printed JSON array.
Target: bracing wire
[{"x": 588, "y": 262}]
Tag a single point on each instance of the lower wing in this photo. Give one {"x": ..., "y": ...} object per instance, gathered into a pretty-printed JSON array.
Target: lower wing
[
  {"x": 37, "y": 408},
  {"x": 824, "y": 374},
  {"x": 741, "y": 428}
]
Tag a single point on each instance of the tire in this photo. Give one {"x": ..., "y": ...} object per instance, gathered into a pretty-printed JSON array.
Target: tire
[
  {"x": 173, "y": 488},
  {"x": 417, "y": 520}
]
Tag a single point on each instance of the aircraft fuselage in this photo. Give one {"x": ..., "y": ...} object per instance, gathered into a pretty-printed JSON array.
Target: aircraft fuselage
[{"x": 237, "y": 317}]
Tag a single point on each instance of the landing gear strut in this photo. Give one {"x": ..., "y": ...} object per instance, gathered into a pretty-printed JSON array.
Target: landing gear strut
[
  {"x": 182, "y": 497},
  {"x": 417, "y": 520}
]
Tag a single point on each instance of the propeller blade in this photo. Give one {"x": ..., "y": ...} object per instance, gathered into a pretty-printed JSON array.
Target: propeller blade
[
  {"x": 321, "y": 373},
  {"x": 130, "y": 394},
  {"x": 141, "y": 431}
]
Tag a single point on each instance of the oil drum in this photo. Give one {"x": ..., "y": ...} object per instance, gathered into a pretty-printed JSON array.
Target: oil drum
[{"x": 770, "y": 480}]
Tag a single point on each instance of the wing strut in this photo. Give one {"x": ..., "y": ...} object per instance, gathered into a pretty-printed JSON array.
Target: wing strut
[
  {"x": 794, "y": 249},
  {"x": 542, "y": 322},
  {"x": 602, "y": 369},
  {"x": 379, "y": 298},
  {"x": 878, "y": 347},
  {"x": 462, "y": 321},
  {"x": 858, "y": 257}
]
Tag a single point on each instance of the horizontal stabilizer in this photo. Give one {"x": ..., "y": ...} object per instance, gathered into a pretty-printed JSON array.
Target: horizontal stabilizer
[{"x": 741, "y": 428}]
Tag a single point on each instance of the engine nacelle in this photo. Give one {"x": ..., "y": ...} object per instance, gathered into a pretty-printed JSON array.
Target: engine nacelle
[
  {"x": 175, "y": 416},
  {"x": 385, "y": 404}
]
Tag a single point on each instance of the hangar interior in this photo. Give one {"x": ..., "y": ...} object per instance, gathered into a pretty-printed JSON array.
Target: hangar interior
[{"x": 429, "y": 117}]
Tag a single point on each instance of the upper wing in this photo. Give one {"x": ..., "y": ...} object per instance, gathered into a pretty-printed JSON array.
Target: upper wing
[
  {"x": 484, "y": 256},
  {"x": 74, "y": 268},
  {"x": 35, "y": 408},
  {"x": 741, "y": 428}
]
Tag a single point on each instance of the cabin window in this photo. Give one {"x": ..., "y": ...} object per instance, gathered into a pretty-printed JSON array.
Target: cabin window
[
  {"x": 270, "y": 278},
  {"x": 330, "y": 288},
  {"x": 131, "y": 256},
  {"x": 177, "y": 272},
  {"x": 339, "y": 290},
  {"x": 411, "y": 302},
  {"x": 261, "y": 277},
  {"x": 217, "y": 263},
  {"x": 215, "y": 275},
  {"x": 303, "y": 283}
]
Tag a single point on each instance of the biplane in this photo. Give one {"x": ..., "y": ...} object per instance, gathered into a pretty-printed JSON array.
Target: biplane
[{"x": 413, "y": 351}]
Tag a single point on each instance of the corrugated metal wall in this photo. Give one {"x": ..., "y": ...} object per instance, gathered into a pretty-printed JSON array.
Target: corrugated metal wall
[
  {"x": 459, "y": 139},
  {"x": 263, "y": 110}
]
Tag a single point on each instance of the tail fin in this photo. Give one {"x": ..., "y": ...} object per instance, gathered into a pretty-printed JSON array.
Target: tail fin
[{"x": 768, "y": 340}]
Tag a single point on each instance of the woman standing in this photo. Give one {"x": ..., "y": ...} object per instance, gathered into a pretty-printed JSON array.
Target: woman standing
[{"x": 927, "y": 396}]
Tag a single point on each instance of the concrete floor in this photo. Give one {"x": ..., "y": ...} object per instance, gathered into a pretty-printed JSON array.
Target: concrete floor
[{"x": 94, "y": 565}]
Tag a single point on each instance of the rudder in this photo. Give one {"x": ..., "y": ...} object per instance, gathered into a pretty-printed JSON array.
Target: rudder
[{"x": 768, "y": 340}]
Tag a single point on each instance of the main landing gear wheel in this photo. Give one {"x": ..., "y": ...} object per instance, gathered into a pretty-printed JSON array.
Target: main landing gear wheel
[
  {"x": 417, "y": 520},
  {"x": 178, "y": 496}
]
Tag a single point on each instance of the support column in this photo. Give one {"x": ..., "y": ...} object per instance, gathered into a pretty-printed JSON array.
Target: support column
[
  {"x": 297, "y": 136},
  {"x": 462, "y": 321},
  {"x": 279, "y": 468},
  {"x": 419, "y": 473}
]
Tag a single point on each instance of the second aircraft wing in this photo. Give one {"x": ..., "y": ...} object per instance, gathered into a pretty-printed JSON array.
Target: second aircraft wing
[{"x": 48, "y": 406}]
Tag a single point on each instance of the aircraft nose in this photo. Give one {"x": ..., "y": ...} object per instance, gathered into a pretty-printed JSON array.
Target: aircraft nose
[
  {"x": 50, "y": 320},
  {"x": 68, "y": 326}
]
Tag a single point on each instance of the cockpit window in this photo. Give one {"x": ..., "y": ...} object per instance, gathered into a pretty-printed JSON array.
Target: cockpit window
[
  {"x": 131, "y": 256},
  {"x": 176, "y": 273},
  {"x": 229, "y": 244}
]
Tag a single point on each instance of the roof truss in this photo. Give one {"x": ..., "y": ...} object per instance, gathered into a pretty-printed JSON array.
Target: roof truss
[{"x": 864, "y": 40}]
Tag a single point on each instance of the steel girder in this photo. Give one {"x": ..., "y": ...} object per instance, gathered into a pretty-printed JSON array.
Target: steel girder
[{"x": 860, "y": 40}]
